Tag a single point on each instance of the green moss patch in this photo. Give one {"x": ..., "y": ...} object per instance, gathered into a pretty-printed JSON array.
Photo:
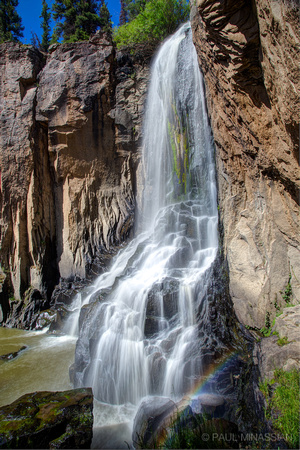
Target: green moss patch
[{"x": 37, "y": 419}]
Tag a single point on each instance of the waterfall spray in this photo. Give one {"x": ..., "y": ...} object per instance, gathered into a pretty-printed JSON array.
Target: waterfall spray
[{"x": 142, "y": 328}]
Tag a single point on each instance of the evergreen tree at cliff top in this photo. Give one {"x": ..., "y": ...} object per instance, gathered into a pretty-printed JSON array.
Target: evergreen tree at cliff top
[
  {"x": 10, "y": 21},
  {"x": 75, "y": 20},
  {"x": 105, "y": 17},
  {"x": 123, "y": 13},
  {"x": 45, "y": 25},
  {"x": 133, "y": 8}
]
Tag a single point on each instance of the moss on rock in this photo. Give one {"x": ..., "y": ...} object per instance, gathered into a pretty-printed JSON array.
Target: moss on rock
[{"x": 48, "y": 420}]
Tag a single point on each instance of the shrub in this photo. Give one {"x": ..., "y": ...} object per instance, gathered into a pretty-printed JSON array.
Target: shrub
[{"x": 159, "y": 19}]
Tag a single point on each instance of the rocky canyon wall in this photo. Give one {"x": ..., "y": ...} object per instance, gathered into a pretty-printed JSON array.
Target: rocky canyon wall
[
  {"x": 249, "y": 55},
  {"x": 70, "y": 134},
  {"x": 70, "y": 130}
]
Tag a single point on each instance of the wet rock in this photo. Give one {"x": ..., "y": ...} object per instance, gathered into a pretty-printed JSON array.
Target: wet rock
[
  {"x": 66, "y": 290},
  {"x": 162, "y": 306},
  {"x": 89, "y": 329},
  {"x": 25, "y": 313},
  {"x": 45, "y": 319},
  {"x": 48, "y": 420},
  {"x": 149, "y": 418},
  {"x": 159, "y": 419},
  {"x": 157, "y": 364},
  {"x": 59, "y": 319},
  {"x": 13, "y": 355},
  {"x": 153, "y": 325},
  {"x": 214, "y": 405}
]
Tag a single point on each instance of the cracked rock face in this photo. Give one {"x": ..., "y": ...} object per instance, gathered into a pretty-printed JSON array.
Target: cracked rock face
[
  {"x": 248, "y": 55},
  {"x": 70, "y": 132},
  {"x": 284, "y": 353},
  {"x": 26, "y": 201}
]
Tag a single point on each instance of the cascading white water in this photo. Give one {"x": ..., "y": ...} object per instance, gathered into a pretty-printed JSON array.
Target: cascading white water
[{"x": 145, "y": 313}]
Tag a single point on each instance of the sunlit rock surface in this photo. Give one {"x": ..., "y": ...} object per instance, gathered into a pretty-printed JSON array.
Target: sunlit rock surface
[
  {"x": 249, "y": 58},
  {"x": 70, "y": 132},
  {"x": 282, "y": 349}
]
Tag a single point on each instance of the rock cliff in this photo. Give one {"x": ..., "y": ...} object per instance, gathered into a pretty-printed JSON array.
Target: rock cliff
[
  {"x": 248, "y": 52},
  {"x": 70, "y": 130}
]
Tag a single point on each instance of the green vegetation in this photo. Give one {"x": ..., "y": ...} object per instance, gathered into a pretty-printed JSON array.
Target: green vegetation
[
  {"x": 266, "y": 330},
  {"x": 123, "y": 14},
  {"x": 158, "y": 20},
  {"x": 195, "y": 431},
  {"x": 10, "y": 21},
  {"x": 105, "y": 17},
  {"x": 282, "y": 398},
  {"x": 133, "y": 8},
  {"x": 287, "y": 294},
  {"x": 77, "y": 20},
  {"x": 45, "y": 25},
  {"x": 282, "y": 341},
  {"x": 200, "y": 431}
]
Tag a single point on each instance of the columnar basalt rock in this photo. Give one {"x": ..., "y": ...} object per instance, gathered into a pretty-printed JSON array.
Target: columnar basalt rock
[
  {"x": 248, "y": 54},
  {"x": 70, "y": 136},
  {"x": 27, "y": 214}
]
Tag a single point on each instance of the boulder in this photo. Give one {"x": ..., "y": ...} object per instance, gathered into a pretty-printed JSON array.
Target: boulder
[
  {"x": 149, "y": 419},
  {"x": 48, "y": 420},
  {"x": 195, "y": 421},
  {"x": 12, "y": 355}
]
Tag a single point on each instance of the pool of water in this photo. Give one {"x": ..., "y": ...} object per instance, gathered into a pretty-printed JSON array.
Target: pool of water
[{"x": 42, "y": 366}]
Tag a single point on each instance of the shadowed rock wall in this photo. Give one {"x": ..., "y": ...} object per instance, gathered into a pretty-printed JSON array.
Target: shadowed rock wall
[
  {"x": 70, "y": 132},
  {"x": 249, "y": 55}
]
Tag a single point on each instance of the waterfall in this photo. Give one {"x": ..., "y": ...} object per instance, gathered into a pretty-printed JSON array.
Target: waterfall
[{"x": 139, "y": 331}]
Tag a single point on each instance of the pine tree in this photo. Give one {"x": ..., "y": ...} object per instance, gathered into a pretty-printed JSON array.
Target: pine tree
[
  {"x": 133, "y": 8},
  {"x": 75, "y": 19},
  {"x": 123, "y": 14},
  {"x": 64, "y": 13},
  {"x": 105, "y": 17},
  {"x": 10, "y": 21},
  {"x": 45, "y": 25},
  {"x": 35, "y": 41},
  {"x": 87, "y": 20}
]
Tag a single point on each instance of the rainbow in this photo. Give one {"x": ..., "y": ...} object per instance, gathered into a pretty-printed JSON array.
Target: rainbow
[{"x": 202, "y": 386}]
